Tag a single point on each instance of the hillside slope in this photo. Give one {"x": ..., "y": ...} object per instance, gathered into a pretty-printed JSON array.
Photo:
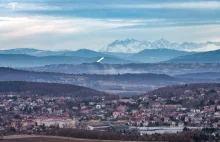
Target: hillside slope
[{"x": 52, "y": 89}]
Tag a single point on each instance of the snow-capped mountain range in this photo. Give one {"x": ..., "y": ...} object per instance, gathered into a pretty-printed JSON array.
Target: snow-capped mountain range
[{"x": 134, "y": 46}]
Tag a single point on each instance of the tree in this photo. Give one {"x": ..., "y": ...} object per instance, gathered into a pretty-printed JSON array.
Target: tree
[
  {"x": 185, "y": 129},
  {"x": 1, "y": 137},
  {"x": 43, "y": 126}
]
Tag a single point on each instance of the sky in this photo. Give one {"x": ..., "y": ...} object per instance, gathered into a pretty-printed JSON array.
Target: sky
[{"x": 93, "y": 24}]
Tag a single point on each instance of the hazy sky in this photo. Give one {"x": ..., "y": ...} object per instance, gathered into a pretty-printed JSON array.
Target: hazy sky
[{"x": 92, "y": 24}]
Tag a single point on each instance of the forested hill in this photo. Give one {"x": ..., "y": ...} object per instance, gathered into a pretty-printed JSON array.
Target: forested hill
[
  {"x": 51, "y": 89},
  {"x": 179, "y": 90}
]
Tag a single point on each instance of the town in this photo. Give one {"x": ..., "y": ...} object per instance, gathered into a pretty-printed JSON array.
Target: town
[{"x": 195, "y": 108}]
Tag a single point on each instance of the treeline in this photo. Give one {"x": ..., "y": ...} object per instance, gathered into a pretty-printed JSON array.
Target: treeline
[
  {"x": 51, "y": 89},
  {"x": 11, "y": 74},
  {"x": 146, "y": 77},
  {"x": 188, "y": 136},
  {"x": 179, "y": 90}
]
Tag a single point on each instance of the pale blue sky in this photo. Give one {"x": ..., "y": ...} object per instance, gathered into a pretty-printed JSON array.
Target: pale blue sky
[{"x": 92, "y": 24}]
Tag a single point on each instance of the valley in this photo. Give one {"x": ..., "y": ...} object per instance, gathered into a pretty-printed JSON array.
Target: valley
[
  {"x": 120, "y": 84},
  {"x": 109, "y": 70},
  {"x": 127, "y": 84}
]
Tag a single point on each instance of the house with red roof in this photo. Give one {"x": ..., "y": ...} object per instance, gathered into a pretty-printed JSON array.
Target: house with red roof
[{"x": 121, "y": 108}]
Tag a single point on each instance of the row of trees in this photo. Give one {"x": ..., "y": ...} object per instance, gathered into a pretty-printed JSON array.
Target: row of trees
[{"x": 186, "y": 136}]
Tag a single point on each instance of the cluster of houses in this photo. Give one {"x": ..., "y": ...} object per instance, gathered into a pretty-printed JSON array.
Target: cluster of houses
[
  {"x": 61, "y": 122},
  {"x": 30, "y": 112}
]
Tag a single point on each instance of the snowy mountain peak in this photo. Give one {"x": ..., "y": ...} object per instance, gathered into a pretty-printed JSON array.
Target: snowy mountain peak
[
  {"x": 126, "y": 46},
  {"x": 162, "y": 40},
  {"x": 122, "y": 42},
  {"x": 134, "y": 46}
]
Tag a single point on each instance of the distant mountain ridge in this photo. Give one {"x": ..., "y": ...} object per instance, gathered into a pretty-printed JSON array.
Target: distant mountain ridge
[
  {"x": 145, "y": 56},
  {"x": 85, "y": 53},
  {"x": 205, "y": 57},
  {"x": 37, "y": 52},
  {"x": 157, "y": 55},
  {"x": 45, "y": 57},
  {"x": 135, "y": 46},
  {"x": 21, "y": 60}
]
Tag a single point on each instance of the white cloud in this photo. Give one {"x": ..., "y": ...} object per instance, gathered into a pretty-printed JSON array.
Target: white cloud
[
  {"x": 14, "y": 27},
  {"x": 13, "y": 5},
  {"x": 18, "y": 30},
  {"x": 169, "y": 5},
  {"x": 178, "y": 5},
  {"x": 209, "y": 47},
  {"x": 16, "y": 6}
]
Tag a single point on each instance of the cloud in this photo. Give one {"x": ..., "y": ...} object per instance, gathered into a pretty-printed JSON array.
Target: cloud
[
  {"x": 52, "y": 6},
  {"x": 177, "y": 5},
  {"x": 93, "y": 24},
  {"x": 206, "y": 48},
  {"x": 14, "y": 27},
  {"x": 88, "y": 5},
  {"x": 170, "y": 23},
  {"x": 16, "y": 6},
  {"x": 13, "y": 5}
]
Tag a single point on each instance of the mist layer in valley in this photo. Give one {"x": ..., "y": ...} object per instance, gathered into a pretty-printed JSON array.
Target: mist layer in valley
[
  {"x": 117, "y": 84},
  {"x": 160, "y": 68}
]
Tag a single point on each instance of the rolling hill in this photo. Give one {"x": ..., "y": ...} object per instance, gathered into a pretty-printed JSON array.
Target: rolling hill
[
  {"x": 52, "y": 89},
  {"x": 203, "y": 75},
  {"x": 119, "y": 84}
]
